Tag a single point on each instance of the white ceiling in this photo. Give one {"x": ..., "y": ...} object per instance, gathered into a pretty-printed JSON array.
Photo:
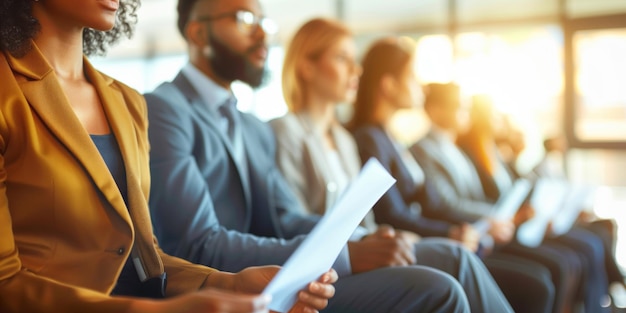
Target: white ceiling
[{"x": 157, "y": 30}]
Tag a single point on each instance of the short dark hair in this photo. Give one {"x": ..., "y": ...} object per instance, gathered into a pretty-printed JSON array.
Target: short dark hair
[
  {"x": 184, "y": 13},
  {"x": 18, "y": 27}
]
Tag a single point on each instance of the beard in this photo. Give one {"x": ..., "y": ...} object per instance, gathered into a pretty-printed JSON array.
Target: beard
[{"x": 230, "y": 65}]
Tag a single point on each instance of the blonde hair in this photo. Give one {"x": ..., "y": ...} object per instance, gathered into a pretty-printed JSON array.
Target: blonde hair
[{"x": 309, "y": 42}]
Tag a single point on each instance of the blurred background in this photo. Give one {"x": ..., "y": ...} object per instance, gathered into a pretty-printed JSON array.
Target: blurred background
[{"x": 553, "y": 67}]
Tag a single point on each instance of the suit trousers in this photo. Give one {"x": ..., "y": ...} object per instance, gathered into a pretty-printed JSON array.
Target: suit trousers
[
  {"x": 447, "y": 278},
  {"x": 594, "y": 285},
  {"x": 526, "y": 284},
  {"x": 563, "y": 263}
]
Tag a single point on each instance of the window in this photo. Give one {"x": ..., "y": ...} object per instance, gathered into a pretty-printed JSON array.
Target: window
[{"x": 594, "y": 90}]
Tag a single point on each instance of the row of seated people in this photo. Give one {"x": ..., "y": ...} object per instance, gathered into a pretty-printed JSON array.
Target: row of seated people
[
  {"x": 438, "y": 192},
  {"x": 76, "y": 233},
  {"x": 75, "y": 230},
  {"x": 217, "y": 197}
]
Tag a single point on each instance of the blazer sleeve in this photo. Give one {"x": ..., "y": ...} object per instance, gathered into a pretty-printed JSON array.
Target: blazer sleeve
[
  {"x": 181, "y": 205},
  {"x": 394, "y": 208},
  {"x": 444, "y": 200}
]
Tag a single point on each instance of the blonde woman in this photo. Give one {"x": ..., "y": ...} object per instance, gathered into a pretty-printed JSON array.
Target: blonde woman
[{"x": 317, "y": 156}]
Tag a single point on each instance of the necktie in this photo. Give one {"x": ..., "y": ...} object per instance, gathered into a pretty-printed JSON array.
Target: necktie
[{"x": 228, "y": 111}]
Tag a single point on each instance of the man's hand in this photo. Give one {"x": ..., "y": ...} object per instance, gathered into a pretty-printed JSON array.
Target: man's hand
[
  {"x": 408, "y": 236},
  {"x": 313, "y": 298},
  {"x": 381, "y": 249},
  {"x": 466, "y": 235},
  {"x": 502, "y": 231}
]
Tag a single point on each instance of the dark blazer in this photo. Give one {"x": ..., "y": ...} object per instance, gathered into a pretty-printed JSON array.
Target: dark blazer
[
  {"x": 65, "y": 231},
  {"x": 449, "y": 196},
  {"x": 401, "y": 206},
  {"x": 202, "y": 209}
]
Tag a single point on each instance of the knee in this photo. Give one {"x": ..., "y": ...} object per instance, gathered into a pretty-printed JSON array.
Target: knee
[
  {"x": 443, "y": 293},
  {"x": 441, "y": 249}
]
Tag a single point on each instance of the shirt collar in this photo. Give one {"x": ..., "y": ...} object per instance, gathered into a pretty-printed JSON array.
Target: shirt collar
[
  {"x": 210, "y": 92},
  {"x": 442, "y": 135}
]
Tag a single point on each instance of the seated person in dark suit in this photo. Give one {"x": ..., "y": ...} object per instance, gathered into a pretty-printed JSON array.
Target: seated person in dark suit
[
  {"x": 454, "y": 192},
  {"x": 483, "y": 142}
]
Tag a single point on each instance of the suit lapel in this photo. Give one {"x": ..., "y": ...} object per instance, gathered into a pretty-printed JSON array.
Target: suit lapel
[
  {"x": 209, "y": 118},
  {"x": 56, "y": 113},
  {"x": 449, "y": 165}
]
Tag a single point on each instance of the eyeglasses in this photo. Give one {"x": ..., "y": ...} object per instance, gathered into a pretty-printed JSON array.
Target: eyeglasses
[{"x": 247, "y": 22}]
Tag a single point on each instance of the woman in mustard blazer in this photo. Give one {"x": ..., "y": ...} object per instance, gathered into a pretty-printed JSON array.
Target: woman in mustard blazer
[{"x": 75, "y": 233}]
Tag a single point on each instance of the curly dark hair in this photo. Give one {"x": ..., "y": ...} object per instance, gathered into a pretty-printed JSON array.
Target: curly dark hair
[{"x": 18, "y": 26}]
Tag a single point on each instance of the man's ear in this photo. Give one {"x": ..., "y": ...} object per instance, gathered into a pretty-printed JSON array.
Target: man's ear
[{"x": 196, "y": 34}]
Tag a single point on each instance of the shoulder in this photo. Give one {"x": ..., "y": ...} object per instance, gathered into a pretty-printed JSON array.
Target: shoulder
[
  {"x": 166, "y": 94},
  {"x": 167, "y": 104},
  {"x": 425, "y": 149},
  {"x": 288, "y": 129},
  {"x": 253, "y": 127},
  {"x": 369, "y": 134},
  {"x": 129, "y": 93}
]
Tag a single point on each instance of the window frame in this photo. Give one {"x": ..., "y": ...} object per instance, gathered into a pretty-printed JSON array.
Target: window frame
[{"x": 571, "y": 105}]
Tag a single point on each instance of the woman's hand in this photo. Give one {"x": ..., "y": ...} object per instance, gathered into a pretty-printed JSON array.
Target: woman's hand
[{"x": 207, "y": 300}]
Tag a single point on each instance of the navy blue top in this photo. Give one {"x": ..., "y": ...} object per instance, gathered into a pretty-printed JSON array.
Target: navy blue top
[
  {"x": 128, "y": 283},
  {"x": 401, "y": 205}
]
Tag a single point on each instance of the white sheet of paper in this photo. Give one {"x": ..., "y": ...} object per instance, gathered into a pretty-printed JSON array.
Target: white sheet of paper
[
  {"x": 317, "y": 253},
  {"x": 547, "y": 198},
  {"x": 579, "y": 197},
  {"x": 507, "y": 205}
]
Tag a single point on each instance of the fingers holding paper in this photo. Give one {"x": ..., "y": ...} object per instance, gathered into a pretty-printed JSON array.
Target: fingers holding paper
[
  {"x": 313, "y": 298},
  {"x": 316, "y": 295}
]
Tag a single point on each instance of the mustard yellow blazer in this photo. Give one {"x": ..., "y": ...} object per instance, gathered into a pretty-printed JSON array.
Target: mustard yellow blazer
[{"x": 61, "y": 247}]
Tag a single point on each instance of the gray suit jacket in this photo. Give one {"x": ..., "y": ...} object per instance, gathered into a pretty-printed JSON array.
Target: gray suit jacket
[
  {"x": 302, "y": 159},
  {"x": 449, "y": 195},
  {"x": 201, "y": 207}
]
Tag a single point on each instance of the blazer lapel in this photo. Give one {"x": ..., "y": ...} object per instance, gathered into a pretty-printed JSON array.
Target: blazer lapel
[
  {"x": 56, "y": 113},
  {"x": 121, "y": 124}
]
